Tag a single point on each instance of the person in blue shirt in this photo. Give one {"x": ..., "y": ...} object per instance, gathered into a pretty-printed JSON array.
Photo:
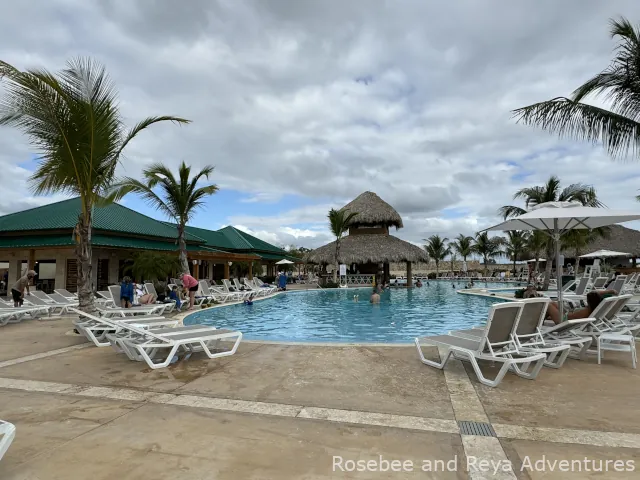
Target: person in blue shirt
[
  {"x": 173, "y": 295},
  {"x": 282, "y": 281},
  {"x": 126, "y": 292}
]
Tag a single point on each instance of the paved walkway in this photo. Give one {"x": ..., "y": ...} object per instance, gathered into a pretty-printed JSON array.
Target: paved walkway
[{"x": 304, "y": 412}]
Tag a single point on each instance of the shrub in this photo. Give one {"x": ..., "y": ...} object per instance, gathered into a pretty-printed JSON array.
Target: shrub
[
  {"x": 431, "y": 276},
  {"x": 330, "y": 284}
]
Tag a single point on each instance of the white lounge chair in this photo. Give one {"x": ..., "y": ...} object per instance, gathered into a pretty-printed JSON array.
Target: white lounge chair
[
  {"x": 270, "y": 288},
  {"x": 66, "y": 293},
  {"x": 96, "y": 328},
  {"x": 7, "y": 434},
  {"x": 526, "y": 334},
  {"x": 229, "y": 288},
  {"x": 168, "y": 306},
  {"x": 149, "y": 343},
  {"x": 495, "y": 345},
  {"x": 250, "y": 287},
  {"x": 11, "y": 314}
]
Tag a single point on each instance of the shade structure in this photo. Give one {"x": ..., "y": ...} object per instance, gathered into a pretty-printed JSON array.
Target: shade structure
[
  {"x": 558, "y": 218},
  {"x": 605, "y": 254},
  {"x": 284, "y": 261}
]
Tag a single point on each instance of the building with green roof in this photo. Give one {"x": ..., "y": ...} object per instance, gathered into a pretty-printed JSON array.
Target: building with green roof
[{"x": 45, "y": 236}]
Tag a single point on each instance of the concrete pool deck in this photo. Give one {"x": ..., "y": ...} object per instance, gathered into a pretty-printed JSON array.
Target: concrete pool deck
[{"x": 276, "y": 411}]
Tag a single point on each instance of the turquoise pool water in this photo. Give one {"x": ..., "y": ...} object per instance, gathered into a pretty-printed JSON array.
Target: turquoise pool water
[{"x": 334, "y": 316}]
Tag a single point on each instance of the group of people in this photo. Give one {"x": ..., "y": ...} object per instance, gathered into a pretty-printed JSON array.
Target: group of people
[{"x": 131, "y": 292}]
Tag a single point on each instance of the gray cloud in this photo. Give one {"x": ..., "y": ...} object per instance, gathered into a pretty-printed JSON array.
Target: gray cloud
[{"x": 328, "y": 99}]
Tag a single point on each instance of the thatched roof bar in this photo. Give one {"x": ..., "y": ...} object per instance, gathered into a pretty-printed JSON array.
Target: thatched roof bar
[
  {"x": 368, "y": 248},
  {"x": 372, "y": 210}
]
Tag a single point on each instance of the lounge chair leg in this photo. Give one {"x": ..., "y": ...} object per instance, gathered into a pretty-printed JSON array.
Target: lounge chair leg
[{"x": 432, "y": 363}]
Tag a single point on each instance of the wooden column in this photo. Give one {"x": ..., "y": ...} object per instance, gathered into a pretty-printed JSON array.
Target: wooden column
[
  {"x": 32, "y": 260},
  {"x": 409, "y": 276},
  {"x": 195, "y": 270},
  {"x": 226, "y": 270},
  {"x": 250, "y": 270}
]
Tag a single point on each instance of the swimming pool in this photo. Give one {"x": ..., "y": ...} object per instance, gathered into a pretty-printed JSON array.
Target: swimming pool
[{"x": 334, "y": 316}]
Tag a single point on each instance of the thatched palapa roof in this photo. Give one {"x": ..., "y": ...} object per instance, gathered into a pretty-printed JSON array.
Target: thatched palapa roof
[
  {"x": 620, "y": 239},
  {"x": 368, "y": 248},
  {"x": 372, "y": 210}
]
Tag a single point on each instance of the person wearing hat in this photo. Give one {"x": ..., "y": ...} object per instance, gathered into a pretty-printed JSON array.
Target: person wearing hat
[{"x": 17, "y": 291}]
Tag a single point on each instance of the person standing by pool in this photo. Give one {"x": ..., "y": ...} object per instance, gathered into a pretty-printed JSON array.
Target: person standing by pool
[
  {"x": 17, "y": 291},
  {"x": 126, "y": 293},
  {"x": 190, "y": 286},
  {"x": 282, "y": 281}
]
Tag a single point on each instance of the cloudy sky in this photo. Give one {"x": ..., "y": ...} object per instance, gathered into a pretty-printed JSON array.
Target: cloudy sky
[{"x": 302, "y": 105}]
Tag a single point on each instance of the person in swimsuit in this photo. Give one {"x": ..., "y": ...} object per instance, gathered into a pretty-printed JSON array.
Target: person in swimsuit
[{"x": 593, "y": 300}]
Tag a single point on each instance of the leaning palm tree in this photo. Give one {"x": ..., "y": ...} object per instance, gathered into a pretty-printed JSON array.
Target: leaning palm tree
[
  {"x": 179, "y": 198},
  {"x": 72, "y": 120},
  {"x": 339, "y": 224},
  {"x": 487, "y": 247},
  {"x": 462, "y": 245},
  {"x": 617, "y": 128},
  {"x": 551, "y": 192},
  {"x": 437, "y": 249},
  {"x": 515, "y": 245}
]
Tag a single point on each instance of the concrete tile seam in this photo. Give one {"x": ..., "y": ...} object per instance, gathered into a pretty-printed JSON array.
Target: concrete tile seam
[{"x": 38, "y": 356}]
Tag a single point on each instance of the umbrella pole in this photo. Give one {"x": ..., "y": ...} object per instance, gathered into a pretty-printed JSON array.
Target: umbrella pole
[{"x": 556, "y": 238}]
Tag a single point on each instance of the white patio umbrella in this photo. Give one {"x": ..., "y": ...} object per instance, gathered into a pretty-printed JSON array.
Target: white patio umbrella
[
  {"x": 558, "y": 218},
  {"x": 284, "y": 261},
  {"x": 605, "y": 254}
]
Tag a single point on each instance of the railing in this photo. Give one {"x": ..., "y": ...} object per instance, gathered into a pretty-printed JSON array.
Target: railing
[{"x": 358, "y": 279}]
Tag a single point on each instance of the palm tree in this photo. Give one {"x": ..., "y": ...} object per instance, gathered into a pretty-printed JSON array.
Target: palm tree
[
  {"x": 338, "y": 224},
  {"x": 551, "y": 192},
  {"x": 72, "y": 120},
  {"x": 437, "y": 249},
  {"x": 515, "y": 245},
  {"x": 463, "y": 246},
  {"x": 487, "y": 247},
  {"x": 578, "y": 240},
  {"x": 179, "y": 199},
  {"x": 617, "y": 128},
  {"x": 536, "y": 244}
]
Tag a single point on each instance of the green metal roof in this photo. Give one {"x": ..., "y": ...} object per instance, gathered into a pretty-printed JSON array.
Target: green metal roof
[
  {"x": 275, "y": 256},
  {"x": 213, "y": 238},
  {"x": 64, "y": 215},
  {"x": 43, "y": 241},
  {"x": 243, "y": 241}
]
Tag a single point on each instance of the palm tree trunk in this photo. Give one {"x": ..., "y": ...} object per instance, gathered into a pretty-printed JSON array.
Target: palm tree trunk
[
  {"x": 437, "y": 269},
  {"x": 182, "y": 246},
  {"x": 536, "y": 266},
  {"x": 335, "y": 270},
  {"x": 486, "y": 269},
  {"x": 83, "y": 255},
  {"x": 548, "y": 266}
]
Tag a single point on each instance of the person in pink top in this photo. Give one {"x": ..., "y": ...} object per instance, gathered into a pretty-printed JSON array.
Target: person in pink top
[{"x": 190, "y": 285}]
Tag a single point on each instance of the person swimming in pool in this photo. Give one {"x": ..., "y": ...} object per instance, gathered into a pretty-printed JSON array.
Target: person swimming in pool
[{"x": 375, "y": 297}]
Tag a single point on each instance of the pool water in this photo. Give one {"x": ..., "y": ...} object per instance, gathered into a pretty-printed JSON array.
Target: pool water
[{"x": 334, "y": 316}]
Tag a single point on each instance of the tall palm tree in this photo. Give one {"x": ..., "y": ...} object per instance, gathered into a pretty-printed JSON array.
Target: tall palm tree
[
  {"x": 487, "y": 247},
  {"x": 577, "y": 241},
  {"x": 437, "y": 249},
  {"x": 179, "y": 198},
  {"x": 339, "y": 224},
  {"x": 551, "y": 192},
  {"x": 463, "y": 246},
  {"x": 515, "y": 245},
  {"x": 536, "y": 245},
  {"x": 72, "y": 121},
  {"x": 617, "y": 128}
]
